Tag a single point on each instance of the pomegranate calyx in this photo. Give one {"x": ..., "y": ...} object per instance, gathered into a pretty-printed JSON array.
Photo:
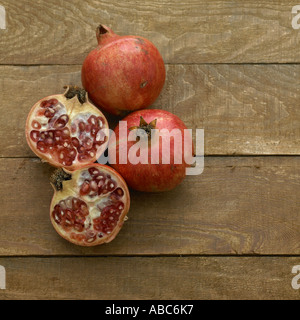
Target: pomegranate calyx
[
  {"x": 58, "y": 177},
  {"x": 104, "y": 33},
  {"x": 73, "y": 91},
  {"x": 147, "y": 127}
]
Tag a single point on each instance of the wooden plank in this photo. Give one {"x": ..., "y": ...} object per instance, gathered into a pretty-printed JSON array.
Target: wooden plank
[
  {"x": 244, "y": 109},
  {"x": 62, "y": 32},
  {"x": 150, "y": 278},
  {"x": 247, "y": 205}
]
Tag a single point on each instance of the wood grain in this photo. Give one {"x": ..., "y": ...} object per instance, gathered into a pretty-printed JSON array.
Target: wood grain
[
  {"x": 190, "y": 31},
  {"x": 247, "y": 205},
  {"x": 149, "y": 278},
  {"x": 243, "y": 109}
]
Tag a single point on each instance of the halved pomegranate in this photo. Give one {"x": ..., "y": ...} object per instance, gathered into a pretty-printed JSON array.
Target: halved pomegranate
[
  {"x": 89, "y": 205},
  {"x": 67, "y": 130}
]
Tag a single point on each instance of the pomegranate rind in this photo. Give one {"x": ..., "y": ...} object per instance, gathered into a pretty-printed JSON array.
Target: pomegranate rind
[
  {"x": 147, "y": 176},
  {"x": 123, "y": 73}
]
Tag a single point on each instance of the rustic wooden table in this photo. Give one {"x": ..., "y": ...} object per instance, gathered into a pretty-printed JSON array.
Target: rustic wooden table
[{"x": 232, "y": 232}]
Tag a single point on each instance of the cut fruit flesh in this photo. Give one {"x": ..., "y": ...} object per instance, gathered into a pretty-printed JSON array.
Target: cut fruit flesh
[
  {"x": 65, "y": 132},
  {"x": 91, "y": 206}
]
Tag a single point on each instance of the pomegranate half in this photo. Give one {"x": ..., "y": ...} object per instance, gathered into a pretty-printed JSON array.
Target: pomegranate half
[
  {"x": 89, "y": 205},
  {"x": 123, "y": 73},
  {"x": 67, "y": 130}
]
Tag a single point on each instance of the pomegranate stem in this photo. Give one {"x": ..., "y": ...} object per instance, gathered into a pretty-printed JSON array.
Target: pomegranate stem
[
  {"x": 73, "y": 91},
  {"x": 58, "y": 177}
]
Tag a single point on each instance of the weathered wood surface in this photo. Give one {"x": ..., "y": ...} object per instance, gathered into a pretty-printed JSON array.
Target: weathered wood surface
[
  {"x": 247, "y": 205},
  {"x": 149, "y": 278},
  {"x": 190, "y": 31},
  {"x": 243, "y": 109},
  {"x": 232, "y": 70}
]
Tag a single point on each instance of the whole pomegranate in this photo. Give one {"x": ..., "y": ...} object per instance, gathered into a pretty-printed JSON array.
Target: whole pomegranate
[
  {"x": 66, "y": 130},
  {"x": 160, "y": 163},
  {"x": 89, "y": 205},
  {"x": 124, "y": 73}
]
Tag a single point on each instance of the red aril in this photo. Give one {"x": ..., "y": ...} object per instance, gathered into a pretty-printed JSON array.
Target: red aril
[
  {"x": 124, "y": 73},
  {"x": 89, "y": 205},
  {"x": 64, "y": 129},
  {"x": 170, "y": 168}
]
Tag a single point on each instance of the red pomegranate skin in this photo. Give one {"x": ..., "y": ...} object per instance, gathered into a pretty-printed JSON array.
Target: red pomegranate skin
[
  {"x": 151, "y": 177},
  {"x": 123, "y": 73}
]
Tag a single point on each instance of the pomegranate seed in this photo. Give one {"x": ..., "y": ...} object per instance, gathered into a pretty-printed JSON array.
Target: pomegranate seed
[
  {"x": 80, "y": 237},
  {"x": 34, "y": 135},
  {"x": 36, "y": 125},
  {"x": 94, "y": 132},
  {"x": 65, "y": 133},
  {"x": 90, "y": 236},
  {"x": 81, "y": 126},
  {"x": 58, "y": 133},
  {"x": 75, "y": 142},
  {"x": 81, "y": 149},
  {"x": 69, "y": 203},
  {"x": 69, "y": 214},
  {"x": 72, "y": 154},
  {"x": 49, "y": 141},
  {"x": 75, "y": 204},
  {"x": 43, "y": 135},
  {"x": 41, "y": 146},
  {"x": 91, "y": 153},
  {"x": 68, "y": 163},
  {"x": 88, "y": 128},
  {"x": 61, "y": 121},
  {"x": 49, "y": 113},
  {"x": 82, "y": 157},
  {"x": 79, "y": 226},
  {"x": 84, "y": 209},
  {"x": 45, "y": 104},
  {"x": 94, "y": 172},
  {"x": 85, "y": 188},
  {"x": 120, "y": 205},
  {"x": 53, "y": 102},
  {"x": 118, "y": 193},
  {"x": 100, "y": 136},
  {"x": 87, "y": 143},
  {"x": 93, "y": 185},
  {"x": 97, "y": 227},
  {"x": 66, "y": 144},
  {"x": 67, "y": 223},
  {"x": 100, "y": 121},
  {"x": 111, "y": 185},
  {"x": 93, "y": 120}
]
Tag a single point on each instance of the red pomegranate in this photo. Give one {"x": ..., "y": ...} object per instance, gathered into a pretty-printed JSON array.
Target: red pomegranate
[
  {"x": 169, "y": 150},
  {"x": 66, "y": 130},
  {"x": 89, "y": 205},
  {"x": 124, "y": 73}
]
